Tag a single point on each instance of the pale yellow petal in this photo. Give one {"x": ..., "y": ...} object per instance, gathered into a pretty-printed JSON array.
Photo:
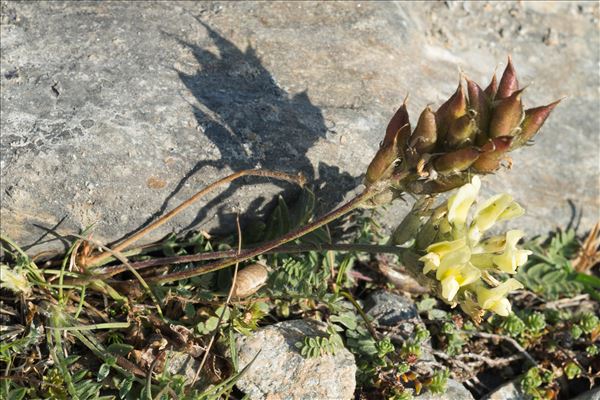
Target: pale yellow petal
[
  {"x": 431, "y": 261},
  {"x": 513, "y": 210},
  {"x": 460, "y": 202},
  {"x": 468, "y": 274},
  {"x": 488, "y": 297},
  {"x": 442, "y": 248},
  {"x": 482, "y": 261},
  {"x": 512, "y": 257},
  {"x": 494, "y": 244},
  {"x": 488, "y": 212},
  {"x": 501, "y": 307},
  {"x": 449, "y": 288}
]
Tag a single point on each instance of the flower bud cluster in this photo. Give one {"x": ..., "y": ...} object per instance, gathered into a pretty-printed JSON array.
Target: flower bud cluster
[
  {"x": 467, "y": 264},
  {"x": 471, "y": 133}
]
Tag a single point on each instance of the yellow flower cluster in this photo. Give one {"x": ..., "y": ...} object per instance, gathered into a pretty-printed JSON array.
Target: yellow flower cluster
[{"x": 464, "y": 264}]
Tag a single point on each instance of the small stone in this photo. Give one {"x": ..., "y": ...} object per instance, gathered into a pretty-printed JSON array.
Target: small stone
[
  {"x": 509, "y": 391},
  {"x": 454, "y": 391},
  {"x": 389, "y": 309},
  {"x": 179, "y": 363},
  {"x": 395, "y": 311},
  {"x": 280, "y": 372},
  {"x": 593, "y": 394}
]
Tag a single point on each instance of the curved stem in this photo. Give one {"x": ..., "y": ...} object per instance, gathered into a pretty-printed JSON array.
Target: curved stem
[
  {"x": 298, "y": 179},
  {"x": 204, "y": 269},
  {"x": 110, "y": 271}
]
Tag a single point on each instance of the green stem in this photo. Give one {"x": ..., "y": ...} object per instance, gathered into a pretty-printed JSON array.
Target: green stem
[{"x": 364, "y": 316}]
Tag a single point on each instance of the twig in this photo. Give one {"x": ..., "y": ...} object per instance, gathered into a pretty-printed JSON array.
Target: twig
[
  {"x": 229, "y": 295},
  {"x": 566, "y": 302},
  {"x": 158, "y": 357},
  {"x": 298, "y": 179},
  {"x": 120, "y": 257},
  {"x": 512, "y": 341},
  {"x": 501, "y": 362},
  {"x": 464, "y": 366},
  {"x": 110, "y": 271}
]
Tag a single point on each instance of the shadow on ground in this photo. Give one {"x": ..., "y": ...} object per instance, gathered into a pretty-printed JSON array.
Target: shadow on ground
[{"x": 253, "y": 123}]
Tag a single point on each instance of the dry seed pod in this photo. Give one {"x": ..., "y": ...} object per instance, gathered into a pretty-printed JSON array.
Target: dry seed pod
[
  {"x": 382, "y": 164},
  {"x": 507, "y": 115},
  {"x": 492, "y": 88},
  {"x": 396, "y": 136},
  {"x": 533, "y": 121},
  {"x": 398, "y": 121},
  {"x": 478, "y": 102},
  {"x": 493, "y": 154},
  {"x": 454, "y": 107},
  {"x": 508, "y": 83},
  {"x": 462, "y": 132},
  {"x": 456, "y": 161},
  {"x": 425, "y": 134},
  {"x": 249, "y": 280},
  {"x": 461, "y": 146}
]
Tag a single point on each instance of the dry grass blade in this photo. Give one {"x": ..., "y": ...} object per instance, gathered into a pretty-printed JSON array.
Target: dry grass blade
[
  {"x": 298, "y": 179},
  {"x": 589, "y": 254},
  {"x": 118, "y": 255},
  {"x": 512, "y": 341},
  {"x": 229, "y": 295}
]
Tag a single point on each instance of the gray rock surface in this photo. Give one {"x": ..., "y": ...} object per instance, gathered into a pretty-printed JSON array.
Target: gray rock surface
[
  {"x": 180, "y": 363},
  {"x": 508, "y": 391},
  {"x": 392, "y": 310},
  {"x": 113, "y": 112},
  {"x": 280, "y": 372},
  {"x": 593, "y": 394},
  {"x": 389, "y": 308},
  {"x": 512, "y": 391}
]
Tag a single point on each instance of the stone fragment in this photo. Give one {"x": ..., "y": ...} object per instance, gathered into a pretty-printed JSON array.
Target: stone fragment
[
  {"x": 280, "y": 372},
  {"x": 508, "y": 391},
  {"x": 454, "y": 391}
]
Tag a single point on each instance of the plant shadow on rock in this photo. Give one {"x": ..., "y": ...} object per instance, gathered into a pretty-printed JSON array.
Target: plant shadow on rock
[{"x": 254, "y": 123}]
